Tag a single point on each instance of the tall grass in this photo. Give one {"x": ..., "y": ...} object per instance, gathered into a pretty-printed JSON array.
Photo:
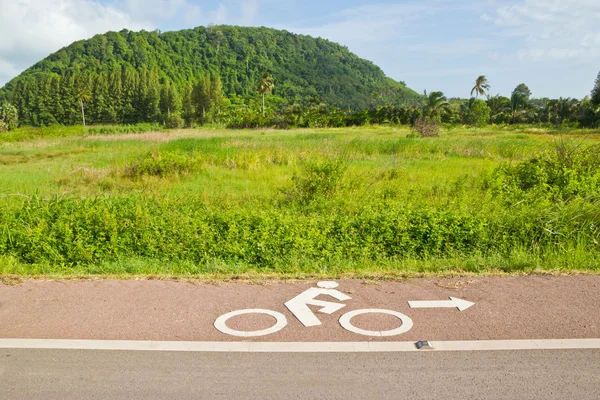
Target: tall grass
[{"x": 359, "y": 201}]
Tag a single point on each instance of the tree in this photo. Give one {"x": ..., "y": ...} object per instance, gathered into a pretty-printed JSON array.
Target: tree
[
  {"x": 8, "y": 116},
  {"x": 500, "y": 108},
  {"x": 267, "y": 84},
  {"x": 435, "y": 104},
  {"x": 83, "y": 97},
  {"x": 564, "y": 108},
  {"x": 188, "y": 105},
  {"x": 596, "y": 92},
  {"x": 201, "y": 98},
  {"x": 216, "y": 93},
  {"x": 478, "y": 113},
  {"x": 519, "y": 100},
  {"x": 170, "y": 101},
  {"x": 481, "y": 86},
  {"x": 523, "y": 92}
]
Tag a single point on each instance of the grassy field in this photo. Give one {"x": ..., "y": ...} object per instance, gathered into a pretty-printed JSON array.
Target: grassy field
[{"x": 358, "y": 202}]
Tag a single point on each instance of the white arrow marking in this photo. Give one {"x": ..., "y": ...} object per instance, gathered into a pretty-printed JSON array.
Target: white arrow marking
[{"x": 462, "y": 305}]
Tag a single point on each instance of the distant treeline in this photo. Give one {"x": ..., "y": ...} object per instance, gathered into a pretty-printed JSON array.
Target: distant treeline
[
  {"x": 130, "y": 96},
  {"x": 118, "y": 97}
]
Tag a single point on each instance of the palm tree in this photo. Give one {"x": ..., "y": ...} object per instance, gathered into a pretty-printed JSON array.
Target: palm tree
[
  {"x": 267, "y": 83},
  {"x": 481, "y": 86},
  {"x": 435, "y": 103},
  {"x": 564, "y": 108},
  {"x": 499, "y": 106}
]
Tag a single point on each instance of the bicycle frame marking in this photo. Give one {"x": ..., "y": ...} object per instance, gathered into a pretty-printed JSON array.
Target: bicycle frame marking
[{"x": 299, "y": 305}]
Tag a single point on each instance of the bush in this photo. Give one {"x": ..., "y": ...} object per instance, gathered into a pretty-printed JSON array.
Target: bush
[
  {"x": 319, "y": 179},
  {"x": 175, "y": 121},
  {"x": 427, "y": 128},
  {"x": 70, "y": 232},
  {"x": 9, "y": 117},
  {"x": 163, "y": 164},
  {"x": 568, "y": 172},
  {"x": 478, "y": 114}
]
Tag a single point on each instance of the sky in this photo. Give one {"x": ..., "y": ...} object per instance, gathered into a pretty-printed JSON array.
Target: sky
[{"x": 551, "y": 45}]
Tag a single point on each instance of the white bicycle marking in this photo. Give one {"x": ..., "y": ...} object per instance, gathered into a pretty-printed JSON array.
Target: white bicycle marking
[
  {"x": 328, "y": 285},
  {"x": 407, "y": 323},
  {"x": 222, "y": 327},
  {"x": 299, "y": 307},
  {"x": 299, "y": 304}
]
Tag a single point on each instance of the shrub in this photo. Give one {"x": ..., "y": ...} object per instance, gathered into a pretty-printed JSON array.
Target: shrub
[
  {"x": 175, "y": 121},
  {"x": 427, "y": 128},
  {"x": 69, "y": 232},
  {"x": 9, "y": 117},
  {"x": 567, "y": 172},
  {"x": 478, "y": 114},
  {"x": 319, "y": 179},
  {"x": 165, "y": 163}
]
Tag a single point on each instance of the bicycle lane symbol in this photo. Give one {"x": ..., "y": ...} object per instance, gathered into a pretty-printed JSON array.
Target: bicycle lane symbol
[{"x": 298, "y": 306}]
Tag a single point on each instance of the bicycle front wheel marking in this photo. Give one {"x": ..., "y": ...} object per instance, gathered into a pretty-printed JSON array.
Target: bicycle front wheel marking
[
  {"x": 222, "y": 327},
  {"x": 407, "y": 323}
]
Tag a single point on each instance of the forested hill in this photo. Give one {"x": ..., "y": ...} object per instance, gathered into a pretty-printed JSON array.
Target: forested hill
[{"x": 302, "y": 67}]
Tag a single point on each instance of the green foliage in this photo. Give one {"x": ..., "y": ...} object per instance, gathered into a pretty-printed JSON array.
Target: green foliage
[
  {"x": 9, "y": 117},
  {"x": 567, "y": 173},
  {"x": 596, "y": 92},
  {"x": 165, "y": 163},
  {"x": 210, "y": 202},
  {"x": 318, "y": 180},
  {"x": 174, "y": 121},
  {"x": 121, "y": 129},
  {"x": 72, "y": 233},
  {"x": 478, "y": 113},
  {"x": 130, "y": 77},
  {"x": 435, "y": 104},
  {"x": 481, "y": 86}
]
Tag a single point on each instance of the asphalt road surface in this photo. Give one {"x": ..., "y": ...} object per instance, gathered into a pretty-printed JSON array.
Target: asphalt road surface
[
  {"x": 513, "y": 309},
  {"x": 64, "y": 375}
]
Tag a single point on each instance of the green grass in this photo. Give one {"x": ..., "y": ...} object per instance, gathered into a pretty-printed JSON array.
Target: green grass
[{"x": 219, "y": 203}]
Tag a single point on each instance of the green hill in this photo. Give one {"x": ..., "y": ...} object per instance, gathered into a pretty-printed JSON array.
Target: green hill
[{"x": 119, "y": 67}]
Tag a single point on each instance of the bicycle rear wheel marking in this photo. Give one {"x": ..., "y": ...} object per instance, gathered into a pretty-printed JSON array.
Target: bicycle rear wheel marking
[
  {"x": 222, "y": 327},
  {"x": 407, "y": 323}
]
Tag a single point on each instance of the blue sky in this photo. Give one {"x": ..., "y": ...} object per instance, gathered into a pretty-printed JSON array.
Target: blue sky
[{"x": 551, "y": 45}]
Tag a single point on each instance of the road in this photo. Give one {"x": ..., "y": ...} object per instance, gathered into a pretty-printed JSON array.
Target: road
[
  {"x": 155, "y": 340},
  {"x": 64, "y": 375}
]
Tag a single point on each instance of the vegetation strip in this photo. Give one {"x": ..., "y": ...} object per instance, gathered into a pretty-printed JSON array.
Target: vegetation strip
[{"x": 363, "y": 202}]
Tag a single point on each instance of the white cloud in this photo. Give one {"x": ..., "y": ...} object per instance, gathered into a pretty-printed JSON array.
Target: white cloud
[
  {"x": 220, "y": 15},
  {"x": 249, "y": 10},
  {"x": 553, "y": 29},
  {"x": 372, "y": 23},
  {"x": 160, "y": 9},
  {"x": 32, "y": 29},
  {"x": 245, "y": 12},
  {"x": 462, "y": 47}
]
